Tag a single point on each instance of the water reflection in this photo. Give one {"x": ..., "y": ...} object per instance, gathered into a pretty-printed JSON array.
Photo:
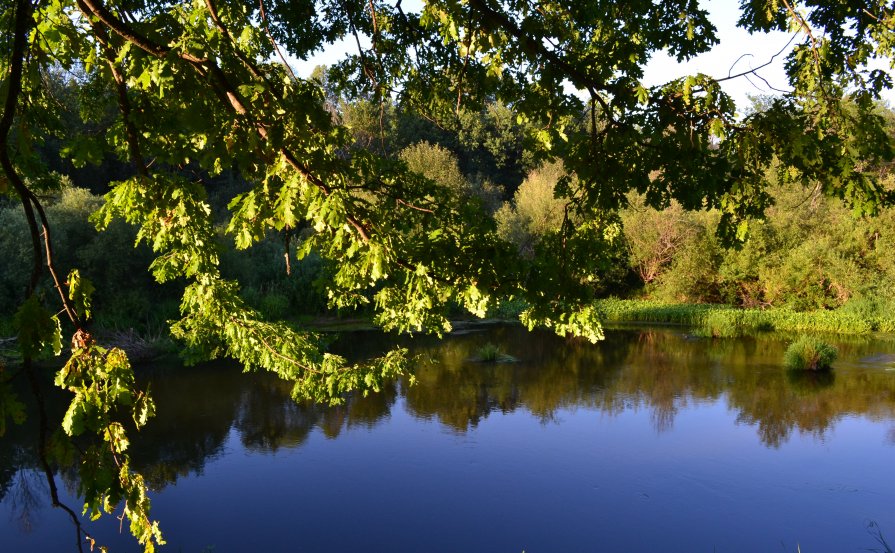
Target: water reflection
[
  {"x": 664, "y": 371},
  {"x": 661, "y": 370}
]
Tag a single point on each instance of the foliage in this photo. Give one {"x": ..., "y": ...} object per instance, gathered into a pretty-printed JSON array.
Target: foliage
[
  {"x": 809, "y": 253},
  {"x": 809, "y": 354},
  {"x": 536, "y": 211},
  {"x": 653, "y": 237},
  {"x": 102, "y": 382},
  {"x": 437, "y": 164},
  {"x": 488, "y": 353},
  {"x": 180, "y": 93},
  {"x": 125, "y": 294},
  {"x": 491, "y": 353}
]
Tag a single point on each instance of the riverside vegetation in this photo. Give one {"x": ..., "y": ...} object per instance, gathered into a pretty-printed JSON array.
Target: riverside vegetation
[
  {"x": 809, "y": 266},
  {"x": 467, "y": 154},
  {"x": 809, "y": 354}
]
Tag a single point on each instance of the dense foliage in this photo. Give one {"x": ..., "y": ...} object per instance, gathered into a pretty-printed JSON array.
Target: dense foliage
[
  {"x": 810, "y": 252},
  {"x": 210, "y": 140}
]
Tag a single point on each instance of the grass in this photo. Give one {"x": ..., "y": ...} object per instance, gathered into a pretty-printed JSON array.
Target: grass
[
  {"x": 727, "y": 321},
  {"x": 809, "y": 354},
  {"x": 491, "y": 353}
]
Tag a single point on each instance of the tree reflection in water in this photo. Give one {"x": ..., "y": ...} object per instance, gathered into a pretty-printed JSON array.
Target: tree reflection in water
[{"x": 662, "y": 370}]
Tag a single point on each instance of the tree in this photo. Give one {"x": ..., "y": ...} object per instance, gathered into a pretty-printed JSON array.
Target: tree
[
  {"x": 199, "y": 91},
  {"x": 535, "y": 210},
  {"x": 437, "y": 164},
  {"x": 654, "y": 237}
]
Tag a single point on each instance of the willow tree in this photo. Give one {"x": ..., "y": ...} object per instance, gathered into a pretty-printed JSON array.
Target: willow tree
[{"x": 199, "y": 84}]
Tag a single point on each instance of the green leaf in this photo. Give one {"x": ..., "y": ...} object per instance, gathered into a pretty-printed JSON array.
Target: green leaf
[
  {"x": 10, "y": 407},
  {"x": 37, "y": 330},
  {"x": 80, "y": 291}
]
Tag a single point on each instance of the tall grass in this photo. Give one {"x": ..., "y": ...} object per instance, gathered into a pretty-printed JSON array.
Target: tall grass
[
  {"x": 727, "y": 321},
  {"x": 809, "y": 354},
  {"x": 491, "y": 353}
]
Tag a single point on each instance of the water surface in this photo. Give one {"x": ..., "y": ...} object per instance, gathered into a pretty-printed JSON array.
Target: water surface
[{"x": 654, "y": 440}]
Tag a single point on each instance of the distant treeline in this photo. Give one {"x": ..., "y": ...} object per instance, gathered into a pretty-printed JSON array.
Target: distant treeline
[{"x": 809, "y": 252}]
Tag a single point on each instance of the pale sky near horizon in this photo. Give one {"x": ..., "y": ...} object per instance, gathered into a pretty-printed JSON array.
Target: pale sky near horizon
[{"x": 736, "y": 52}]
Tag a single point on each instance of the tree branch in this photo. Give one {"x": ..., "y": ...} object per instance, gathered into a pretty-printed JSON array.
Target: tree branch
[
  {"x": 23, "y": 23},
  {"x": 274, "y": 42},
  {"x": 44, "y": 429}
]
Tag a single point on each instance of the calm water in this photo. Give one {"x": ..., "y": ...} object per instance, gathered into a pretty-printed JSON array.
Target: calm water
[{"x": 650, "y": 441}]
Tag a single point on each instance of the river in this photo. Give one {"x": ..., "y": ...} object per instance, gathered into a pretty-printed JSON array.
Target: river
[{"x": 652, "y": 440}]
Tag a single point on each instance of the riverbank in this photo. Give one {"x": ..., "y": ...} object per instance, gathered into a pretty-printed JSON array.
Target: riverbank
[
  {"x": 142, "y": 346},
  {"x": 722, "y": 321},
  {"x": 728, "y": 321}
]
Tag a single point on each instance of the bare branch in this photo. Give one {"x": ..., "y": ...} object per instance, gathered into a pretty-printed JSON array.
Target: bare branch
[{"x": 274, "y": 42}]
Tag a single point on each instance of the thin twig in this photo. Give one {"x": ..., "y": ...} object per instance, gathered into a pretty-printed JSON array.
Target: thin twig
[
  {"x": 274, "y": 42},
  {"x": 44, "y": 461},
  {"x": 754, "y": 69}
]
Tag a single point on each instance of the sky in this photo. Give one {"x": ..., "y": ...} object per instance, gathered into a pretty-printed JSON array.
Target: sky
[{"x": 738, "y": 51}]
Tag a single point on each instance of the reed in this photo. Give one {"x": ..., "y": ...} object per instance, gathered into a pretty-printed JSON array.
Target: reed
[{"x": 727, "y": 321}]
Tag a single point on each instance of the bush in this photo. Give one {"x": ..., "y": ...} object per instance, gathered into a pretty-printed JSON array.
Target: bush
[
  {"x": 809, "y": 354},
  {"x": 725, "y": 323},
  {"x": 126, "y": 294},
  {"x": 506, "y": 309},
  {"x": 491, "y": 353},
  {"x": 535, "y": 210},
  {"x": 488, "y": 353},
  {"x": 436, "y": 163}
]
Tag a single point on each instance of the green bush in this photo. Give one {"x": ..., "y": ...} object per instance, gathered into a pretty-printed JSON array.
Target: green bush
[
  {"x": 725, "y": 323},
  {"x": 491, "y": 353},
  {"x": 810, "y": 253},
  {"x": 126, "y": 294},
  {"x": 274, "y": 305},
  {"x": 436, "y": 163},
  {"x": 809, "y": 354},
  {"x": 506, "y": 309},
  {"x": 488, "y": 353},
  {"x": 535, "y": 210}
]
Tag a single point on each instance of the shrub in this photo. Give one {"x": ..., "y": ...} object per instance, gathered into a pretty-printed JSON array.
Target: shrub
[
  {"x": 490, "y": 353},
  {"x": 274, "y": 305},
  {"x": 809, "y": 354},
  {"x": 535, "y": 210},
  {"x": 436, "y": 163},
  {"x": 724, "y": 323},
  {"x": 507, "y": 309}
]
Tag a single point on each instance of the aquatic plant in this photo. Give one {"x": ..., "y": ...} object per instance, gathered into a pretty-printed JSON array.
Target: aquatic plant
[
  {"x": 488, "y": 353},
  {"x": 808, "y": 353},
  {"x": 491, "y": 353}
]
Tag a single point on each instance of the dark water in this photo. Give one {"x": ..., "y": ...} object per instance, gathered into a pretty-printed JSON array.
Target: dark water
[{"x": 650, "y": 441}]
